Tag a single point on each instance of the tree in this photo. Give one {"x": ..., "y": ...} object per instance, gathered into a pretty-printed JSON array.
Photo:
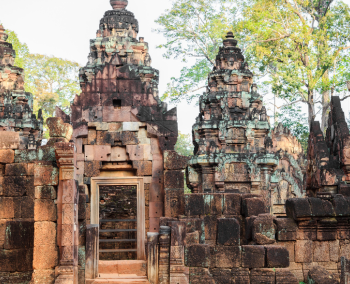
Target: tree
[
  {"x": 303, "y": 46},
  {"x": 194, "y": 31},
  {"x": 184, "y": 145},
  {"x": 52, "y": 81}
]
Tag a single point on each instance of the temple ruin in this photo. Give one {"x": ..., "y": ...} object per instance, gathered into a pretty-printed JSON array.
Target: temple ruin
[{"x": 104, "y": 202}]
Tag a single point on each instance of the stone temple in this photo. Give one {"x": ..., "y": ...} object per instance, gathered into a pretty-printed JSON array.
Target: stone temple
[{"x": 104, "y": 202}]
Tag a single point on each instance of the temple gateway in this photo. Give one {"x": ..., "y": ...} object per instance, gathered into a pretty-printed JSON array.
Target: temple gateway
[{"x": 104, "y": 202}]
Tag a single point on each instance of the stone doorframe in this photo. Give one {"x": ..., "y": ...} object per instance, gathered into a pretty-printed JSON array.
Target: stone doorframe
[{"x": 139, "y": 183}]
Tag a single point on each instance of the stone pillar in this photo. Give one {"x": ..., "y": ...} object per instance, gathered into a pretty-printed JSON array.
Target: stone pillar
[
  {"x": 67, "y": 205},
  {"x": 345, "y": 270},
  {"x": 91, "y": 255},
  {"x": 152, "y": 259},
  {"x": 164, "y": 255},
  {"x": 179, "y": 273}
]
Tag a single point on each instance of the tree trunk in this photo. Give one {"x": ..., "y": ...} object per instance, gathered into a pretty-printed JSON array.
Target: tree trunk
[
  {"x": 325, "y": 101},
  {"x": 325, "y": 108},
  {"x": 311, "y": 107}
]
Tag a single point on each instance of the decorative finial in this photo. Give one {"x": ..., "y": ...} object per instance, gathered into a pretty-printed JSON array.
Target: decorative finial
[
  {"x": 119, "y": 4},
  {"x": 230, "y": 41}
]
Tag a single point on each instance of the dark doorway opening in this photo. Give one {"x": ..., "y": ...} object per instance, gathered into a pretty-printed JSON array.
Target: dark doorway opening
[{"x": 118, "y": 222}]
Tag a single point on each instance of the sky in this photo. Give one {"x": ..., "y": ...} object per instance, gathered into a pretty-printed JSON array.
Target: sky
[{"x": 63, "y": 28}]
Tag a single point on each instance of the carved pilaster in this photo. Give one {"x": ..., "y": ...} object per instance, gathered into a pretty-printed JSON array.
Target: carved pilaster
[
  {"x": 153, "y": 260},
  {"x": 164, "y": 255},
  {"x": 67, "y": 204}
]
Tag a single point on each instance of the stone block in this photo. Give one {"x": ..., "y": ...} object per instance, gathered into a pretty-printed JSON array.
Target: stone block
[
  {"x": 220, "y": 275},
  {"x": 199, "y": 275},
  {"x": 286, "y": 229},
  {"x": 58, "y": 128},
  {"x": 228, "y": 232},
  {"x": 144, "y": 168},
  {"x": 44, "y": 210},
  {"x": 253, "y": 256},
  {"x": 197, "y": 256},
  {"x": 16, "y": 186},
  {"x": 7, "y": 156},
  {"x": 119, "y": 154},
  {"x": 216, "y": 206},
  {"x": 191, "y": 238},
  {"x": 232, "y": 204},
  {"x": 240, "y": 276},
  {"x": 26, "y": 206},
  {"x": 45, "y": 192},
  {"x": 45, "y": 174},
  {"x": 298, "y": 208},
  {"x": 194, "y": 204},
  {"x": 19, "y": 235},
  {"x": 319, "y": 275},
  {"x": 303, "y": 251},
  {"x": 173, "y": 179},
  {"x": 174, "y": 202},
  {"x": 174, "y": 161},
  {"x": 139, "y": 152},
  {"x": 156, "y": 209},
  {"x": 115, "y": 126},
  {"x": 225, "y": 256},
  {"x": 285, "y": 276},
  {"x": 16, "y": 260},
  {"x": 341, "y": 206},
  {"x": 45, "y": 233},
  {"x": 334, "y": 249},
  {"x": 7, "y": 208},
  {"x": 195, "y": 224},
  {"x": 20, "y": 169},
  {"x": 264, "y": 229},
  {"x": 210, "y": 223},
  {"x": 45, "y": 257},
  {"x": 42, "y": 276},
  {"x": 92, "y": 168},
  {"x": 277, "y": 257},
  {"x": 253, "y": 206},
  {"x": 262, "y": 275},
  {"x": 321, "y": 251},
  {"x": 97, "y": 152},
  {"x": 131, "y": 126},
  {"x": 9, "y": 140}
]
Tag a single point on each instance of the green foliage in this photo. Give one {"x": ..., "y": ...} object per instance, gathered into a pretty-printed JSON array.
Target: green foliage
[
  {"x": 52, "y": 81},
  {"x": 184, "y": 145},
  {"x": 302, "y": 46},
  {"x": 194, "y": 31},
  {"x": 22, "y": 50}
]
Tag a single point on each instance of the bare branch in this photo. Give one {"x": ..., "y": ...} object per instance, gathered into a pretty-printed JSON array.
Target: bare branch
[{"x": 344, "y": 98}]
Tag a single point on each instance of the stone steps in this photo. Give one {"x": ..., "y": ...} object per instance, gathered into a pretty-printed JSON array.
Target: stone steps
[{"x": 122, "y": 271}]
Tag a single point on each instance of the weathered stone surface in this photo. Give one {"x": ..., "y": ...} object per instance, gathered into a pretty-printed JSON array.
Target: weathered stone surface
[
  {"x": 262, "y": 275},
  {"x": 44, "y": 210},
  {"x": 92, "y": 168},
  {"x": 20, "y": 169},
  {"x": 45, "y": 174},
  {"x": 144, "y": 168},
  {"x": 221, "y": 275},
  {"x": 264, "y": 229},
  {"x": 45, "y": 257},
  {"x": 45, "y": 233},
  {"x": 225, "y": 256},
  {"x": 232, "y": 204},
  {"x": 303, "y": 249},
  {"x": 286, "y": 229},
  {"x": 174, "y": 161},
  {"x": 253, "y": 256},
  {"x": 7, "y": 156},
  {"x": 9, "y": 140},
  {"x": 228, "y": 232},
  {"x": 44, "y": 276},
  {"x": 197, "y": 256},
  {"x": 298, "y": 208},
  {"x": 194, "y": 204},
  {"x": 16, "y": 186},
  {"x": 173, "y": 179},
  {"x": 285, "y": 276},
  {"x": 19, "y": 235},
  {"x": 45, "y": 192},
  {"x": 58, "y": 128},
  {"x": 319, "y": 275},
  {"x": 253, "y": 207},
  {"x": 277, "y": 257}
]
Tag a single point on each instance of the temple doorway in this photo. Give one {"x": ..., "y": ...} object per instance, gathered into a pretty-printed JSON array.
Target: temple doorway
[
  {"x": 118, "y": 222},
  {"x": 118, "y": 207}
]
